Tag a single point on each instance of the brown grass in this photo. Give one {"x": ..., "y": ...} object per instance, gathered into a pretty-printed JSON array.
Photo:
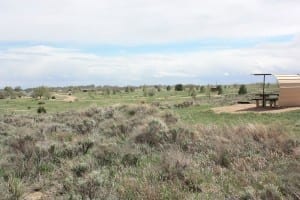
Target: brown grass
[{"x": 141, "y": 152}]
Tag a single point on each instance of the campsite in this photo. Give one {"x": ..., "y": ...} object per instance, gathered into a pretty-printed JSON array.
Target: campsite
[{"x": 149, "y": 100}]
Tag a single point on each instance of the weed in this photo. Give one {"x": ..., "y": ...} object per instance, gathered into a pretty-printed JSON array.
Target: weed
[
  {"x": 270, "y": 192},
  {"x": 15, "y": 188},
  {"x": 80, "y": 169},
  {"x": 85, "y": 146},
  {"x": 130, "y": 159}
]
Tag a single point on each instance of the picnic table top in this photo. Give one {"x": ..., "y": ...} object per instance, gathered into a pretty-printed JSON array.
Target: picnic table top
[{"x": 267, "y": 94}]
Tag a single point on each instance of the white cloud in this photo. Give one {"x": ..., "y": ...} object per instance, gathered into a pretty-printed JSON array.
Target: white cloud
[
  {"x": 39, "y": 65},
  {"x": 147, "y": 21},
  {"x": 136, "y": 22}
]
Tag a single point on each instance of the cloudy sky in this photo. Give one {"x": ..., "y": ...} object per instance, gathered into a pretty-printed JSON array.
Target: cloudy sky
[{"x": 135, "y": 42}]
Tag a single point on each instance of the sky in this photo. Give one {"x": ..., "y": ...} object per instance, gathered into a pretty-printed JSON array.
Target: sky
[{"x": 137, "y": 42}]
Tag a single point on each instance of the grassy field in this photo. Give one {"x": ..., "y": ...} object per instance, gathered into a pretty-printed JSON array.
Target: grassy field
[
  {"x": 132, "y": 146},
  {"x": 86, "y": 99}
]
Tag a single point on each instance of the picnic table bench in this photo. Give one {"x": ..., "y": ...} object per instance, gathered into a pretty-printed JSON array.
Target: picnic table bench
[{"x": 271, "y": 98}]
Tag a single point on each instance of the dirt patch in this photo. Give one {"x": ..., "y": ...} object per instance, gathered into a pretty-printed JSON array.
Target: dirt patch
[
  {"x": 243, "y": 108},
  {"x": 65, "y": 98},
  {"x": 34, "y": 196},
  {"x": 69, "y": 99}
]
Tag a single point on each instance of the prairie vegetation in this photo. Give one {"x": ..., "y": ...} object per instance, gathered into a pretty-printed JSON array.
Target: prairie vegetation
[{"x": 153, "y": 147}]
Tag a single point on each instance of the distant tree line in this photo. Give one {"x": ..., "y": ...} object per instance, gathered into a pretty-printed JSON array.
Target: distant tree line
[
  {"x": 12, "y": 93},
  {"x": 148, "y": 90}
]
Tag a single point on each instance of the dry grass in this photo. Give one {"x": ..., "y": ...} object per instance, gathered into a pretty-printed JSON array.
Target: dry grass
[{"x": 141, "y": 152}]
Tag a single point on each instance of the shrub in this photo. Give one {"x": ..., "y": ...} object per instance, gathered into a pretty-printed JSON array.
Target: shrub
[
  {"x": 80, "y": 169},
  {"x": 184, "y": 104},
  {"x": 127, "y": 89},
  {"x": 15, "y": 188},
  {"x": 90, "y": 188},
  {"x": 85, "y": 127},
  {"x": 202, "y": 89},
  {"x": 220, "y": 89},
  {"x": 85, "y": 146},
  {"x": 242, "y": 90},
  {"x": 41, "y": 109},
  {"x": 107, "y": 91},
  {"x": 130, "y": 159},
  {"x": 169, "y": 88},
  {"x": 192, "y": 93},
  {"x": 224, "y": 159},
  {"x": 105, "y": 155},
  {"x": 178, "y": 87},
  {"x": 153, "y": 134},
  {"x": 134, "y": 189},
  {"x": 270, "y": 192},
  {"x": 149, "y": 92},
  {"x": 2, "y": 95}
]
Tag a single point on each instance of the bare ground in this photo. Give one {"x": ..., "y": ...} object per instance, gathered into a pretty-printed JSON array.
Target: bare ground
[
  {"x": 66, "y": 98},
  {"x": 243, "y": 108}
]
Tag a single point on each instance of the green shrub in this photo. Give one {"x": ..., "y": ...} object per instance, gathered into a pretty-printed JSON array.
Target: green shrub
[
  {"x": 80, "y": 169},
  {"x": 220, "y": 89},
  {"x": 202, "y": 89},
  {"x": 149, "y": 92},
  {"x": 89, "y": 188},
  {"x": 2, "y": 95},
  {"x": 178, "y": 87},
  {"x": 154, "y": 134},
  {"x": 224, "y": 159},
  {"x": 106, "y": 155},
  {"x": 130, "y": 159},
  {"x": 193, "y": 93},
  {"x": 85, "y": 146},
  {"x": 270, "y": 192},
  {"x": 85, "y": 127},
  {"x": 41, "y": 109},
  {"x": 242, "y": 90},
  {"x": 15, "y": 188}
]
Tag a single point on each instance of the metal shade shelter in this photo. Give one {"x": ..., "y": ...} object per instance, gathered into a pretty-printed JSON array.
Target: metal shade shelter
[{"x": 264, "y": 84}]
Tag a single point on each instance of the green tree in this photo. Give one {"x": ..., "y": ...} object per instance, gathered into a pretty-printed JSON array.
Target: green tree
[
  {"x": 202, "y": 89},
  {"x": 169, "y": 88},
  {"x": 193, "y": 93},
  {"x": 149, "y": 92},
  {"x": 9, "y": 92},
  {"x": 178, "y": 87},
  {"x": 18, "y": 89},
  {"x": 242, "y": 90},
  {"x": 41, "y": 92},
  {"x": 220, "y": 89},
  {"x": 2, "y": 95}
]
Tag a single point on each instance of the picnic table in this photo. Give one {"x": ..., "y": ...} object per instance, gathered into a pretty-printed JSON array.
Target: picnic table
[
  {"x": 263, "y": 94},
  {"x": 272, "y": 98}
]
